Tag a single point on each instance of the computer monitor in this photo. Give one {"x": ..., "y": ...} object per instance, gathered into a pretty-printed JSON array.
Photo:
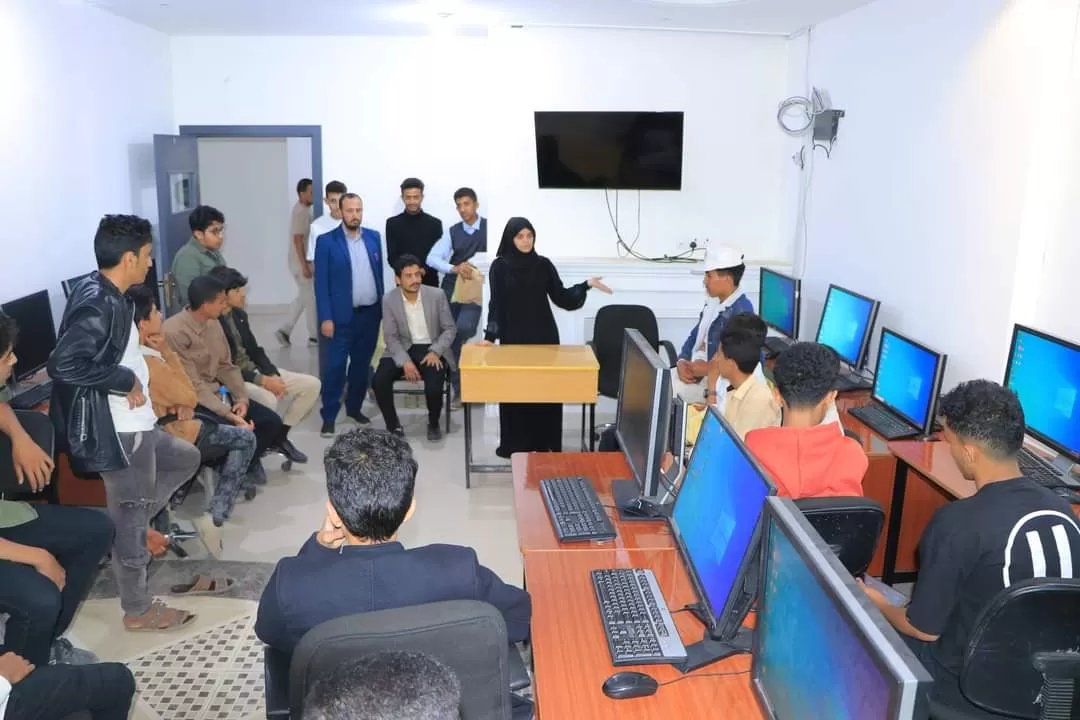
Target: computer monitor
[
  {"x": 68, "y": 285},
  {"x": 37, "y": 333},
  {"x": 1044, "y": 372},
  {"x": 642, "y": 419},
  {"x": 778, "y": 299},
  {"x": 908, "y": 378},
  {"x": 846, "y": 324},
  {"x": 821, "y": 649},
  {"x": 716, "y": 524}
]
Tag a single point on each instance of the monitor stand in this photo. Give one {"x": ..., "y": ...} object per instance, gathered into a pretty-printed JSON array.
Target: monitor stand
[
  {"x": 850, "y": 380},
  {"x": 710, "y": 650},
  {"x": 1063, "y": 465},
  {"x": 633, "y": 506}
]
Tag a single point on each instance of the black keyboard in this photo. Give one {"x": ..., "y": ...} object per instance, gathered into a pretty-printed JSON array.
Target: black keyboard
[
  {"x": 774, "y": 345},
  {"x": 1041, "y": 471},
  {"x": 883, "y": 422},
  {"x": 636, "y": 619},
  {"x": 849, "y": 381},
  {"x": 576, "y": 512},
  {"x": 33, "y": 396}
]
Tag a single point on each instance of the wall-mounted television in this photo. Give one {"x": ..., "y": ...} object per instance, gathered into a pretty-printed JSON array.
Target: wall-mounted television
[{"x": 612, "y": 150}]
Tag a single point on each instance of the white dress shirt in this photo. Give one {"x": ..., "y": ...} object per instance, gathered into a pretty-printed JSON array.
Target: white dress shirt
[
  {"x": 414, "y": 315},
  {"x": 319, "y": 226}
]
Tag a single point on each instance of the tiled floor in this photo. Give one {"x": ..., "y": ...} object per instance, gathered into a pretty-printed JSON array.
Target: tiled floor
[{"x": 278, "y": 522}]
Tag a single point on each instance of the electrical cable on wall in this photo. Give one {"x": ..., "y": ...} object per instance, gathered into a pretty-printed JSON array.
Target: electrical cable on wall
[{"x": 627, "y": 250}]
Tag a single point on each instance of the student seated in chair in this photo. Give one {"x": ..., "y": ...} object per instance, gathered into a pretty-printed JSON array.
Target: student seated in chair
[
  {"x": 173, "y": 394},
  {"x": 418, "y": 329},
  {"x": 386, "y": 686},
  {"x": 806, "y": 457},
  {"x": 354, "y": 564},
  {"x": 749, "y": 402},
  {"x": 1011, "y": 529},
  {"x": 275, "y": 388}
]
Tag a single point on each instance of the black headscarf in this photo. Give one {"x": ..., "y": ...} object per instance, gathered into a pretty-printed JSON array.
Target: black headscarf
[{"x": 509, "y": 252}]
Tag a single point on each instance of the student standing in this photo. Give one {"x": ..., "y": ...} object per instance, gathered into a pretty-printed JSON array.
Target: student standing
[
  {"x": 519, "y": 314},
  {"x": 299, "y": 231},
  {"x": 348, "y": 297},
  {"x": 451, "y": 256},
  {"x": 413, "y": 232}
]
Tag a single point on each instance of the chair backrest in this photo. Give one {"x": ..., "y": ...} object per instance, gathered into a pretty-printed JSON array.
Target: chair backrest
[
  {"x": 607, "y": 342},
  {"x": 850, "y": 525},
  {"x": 466, "y": 635},
  {"x": 1028, "y": 617}
]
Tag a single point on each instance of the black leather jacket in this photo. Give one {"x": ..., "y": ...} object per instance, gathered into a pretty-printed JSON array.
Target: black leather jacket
[
  {"x": 251, "y": 346},
  {"x": 85, "y": 368}
]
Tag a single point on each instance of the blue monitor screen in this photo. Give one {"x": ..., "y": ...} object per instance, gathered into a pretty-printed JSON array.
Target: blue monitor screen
[
  {"x": 845, "y": 323},
  {"x": 812, "y": 661},
  {"x": 717, "y": 510},
  {"x": 1045, "y": 375},
  {"x": 905, "y": 379},
  {"x": 778, "y": 303}
]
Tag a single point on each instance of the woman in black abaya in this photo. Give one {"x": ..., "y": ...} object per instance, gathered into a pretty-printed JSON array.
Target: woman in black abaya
[{"x": 519, "y": 314}]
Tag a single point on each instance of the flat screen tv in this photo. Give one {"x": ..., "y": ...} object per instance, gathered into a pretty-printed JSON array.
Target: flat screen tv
[{"x": 613, "y": 150}]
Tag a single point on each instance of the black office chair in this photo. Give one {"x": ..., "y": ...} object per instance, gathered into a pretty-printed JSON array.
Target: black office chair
[
  {"x": 1022, "y": 659},
  {"x": 466, "y": 635},
  {"x": 607, "y": 342},
  {"x": 850, "y": 525},
  {"x": 40, "y": 428}
]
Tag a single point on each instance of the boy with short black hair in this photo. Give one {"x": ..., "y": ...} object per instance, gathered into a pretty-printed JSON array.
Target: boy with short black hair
[
  {"x": 749, "y": 402},
  {"x": 806, "y": 457}
]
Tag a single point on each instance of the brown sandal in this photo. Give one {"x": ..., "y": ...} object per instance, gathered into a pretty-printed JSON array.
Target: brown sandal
[
  {"x": 159, "y": 618},
  {"x": 204, "y": 585}
]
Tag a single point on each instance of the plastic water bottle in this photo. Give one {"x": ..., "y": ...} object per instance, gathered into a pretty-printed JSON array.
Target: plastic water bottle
[{"x": 223, "y": 393}]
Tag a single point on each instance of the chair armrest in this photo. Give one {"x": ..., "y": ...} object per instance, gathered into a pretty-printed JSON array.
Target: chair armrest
[
  {"x": 276, "y": 683},
  {"x": 673, "y": 355},
  {"x": 519, "y": 676}
]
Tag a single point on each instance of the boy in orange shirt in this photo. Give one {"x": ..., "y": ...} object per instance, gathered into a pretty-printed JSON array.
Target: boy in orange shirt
[{"x": 805, "y": 457}]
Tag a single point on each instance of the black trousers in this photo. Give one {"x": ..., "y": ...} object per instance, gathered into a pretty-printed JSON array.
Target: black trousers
[
  {"x": 268, "y": 428},
  {"x": 38, "y": 611},
  {"x": 388, "y": 373},
  {"x": 54, "y": 692}
]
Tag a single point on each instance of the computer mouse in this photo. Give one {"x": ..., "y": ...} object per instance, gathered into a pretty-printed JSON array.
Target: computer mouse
[{"x": 625, "y": 685}]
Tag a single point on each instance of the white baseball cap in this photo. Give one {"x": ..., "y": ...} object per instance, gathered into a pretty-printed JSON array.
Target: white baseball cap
[{"x": 721, "y": 257}]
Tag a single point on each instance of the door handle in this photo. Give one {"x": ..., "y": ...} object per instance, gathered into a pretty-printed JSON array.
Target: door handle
[{"x": 167, "y": 284}]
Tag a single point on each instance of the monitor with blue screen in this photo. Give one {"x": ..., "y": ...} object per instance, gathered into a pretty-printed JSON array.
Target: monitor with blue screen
[
  {"x": 716, "y": 523},
  {"x": 1044, "y": 372},
  {"x": 846, "y": 324},
  {"x": 778, "y": 299},
  {"x": 821, "y": 649},
  {"x": 908, "y": 378}
]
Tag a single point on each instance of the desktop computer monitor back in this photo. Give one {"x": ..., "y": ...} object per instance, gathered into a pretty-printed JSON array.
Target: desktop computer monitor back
[
  {"x": 37, "y": 333},
  {"x": 778, "y": 298},
  {"x": 846, "y": 324},
  {"x": 1044, "y": 372},
  {"x": 716, "y": 523},
  {"x": 644, "y": 411},
  {"x": 821, "y": 649},
  {"x": 908, "y": 378}
]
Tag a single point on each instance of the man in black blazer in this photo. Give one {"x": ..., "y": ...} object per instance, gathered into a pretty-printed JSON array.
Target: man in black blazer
[{"x": 354, "y": 563}]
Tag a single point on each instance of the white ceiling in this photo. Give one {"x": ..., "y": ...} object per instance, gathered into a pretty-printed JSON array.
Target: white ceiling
[{"x": 409, "y": 17}]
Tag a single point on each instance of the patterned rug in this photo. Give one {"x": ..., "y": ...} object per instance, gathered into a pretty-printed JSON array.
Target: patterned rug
[
  {"x": 249, "y": 577},
  {"x": 214, "y": 675}
]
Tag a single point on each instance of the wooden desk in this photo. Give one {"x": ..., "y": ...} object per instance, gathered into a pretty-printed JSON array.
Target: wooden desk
[
  {"x": 535, "y": 532},
  {"x": 571, "y": 660},
  {"x": 564, "y": 374},
  {"x": 879, "y": 478},
  {"x": 926, "y": 478}
]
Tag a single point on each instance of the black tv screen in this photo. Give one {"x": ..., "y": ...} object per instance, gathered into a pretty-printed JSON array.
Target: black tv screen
[{"x": 615, "y": 150}]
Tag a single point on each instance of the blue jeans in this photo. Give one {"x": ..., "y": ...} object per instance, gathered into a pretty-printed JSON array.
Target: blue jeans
[
  {"x": 349, "y": 353},
  {"x": 105, "y": 690},
  {"x": 39, "y": 612}
]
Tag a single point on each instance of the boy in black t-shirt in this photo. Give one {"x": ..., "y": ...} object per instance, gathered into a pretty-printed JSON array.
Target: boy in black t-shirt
[{"x": 1011, "y": 529}]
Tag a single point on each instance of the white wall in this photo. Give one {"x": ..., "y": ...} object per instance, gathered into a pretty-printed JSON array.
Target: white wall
[
  {"x": 76, "y": 126},
  {"x": 244, "y": 177},
  {"x": 459, "y": 112},
  {"x": 932, "y": 192},
  {"x": 298, "y": 165}
]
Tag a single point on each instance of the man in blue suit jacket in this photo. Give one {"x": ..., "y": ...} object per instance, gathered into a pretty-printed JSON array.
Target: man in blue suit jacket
[{"x": 348, "y": 301}]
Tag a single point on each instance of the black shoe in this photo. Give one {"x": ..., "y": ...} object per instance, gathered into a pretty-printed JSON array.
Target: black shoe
[
  {"x": 500, "y": 452},
  {"x": 360, "y": 419},
  {"x": 291, "y": 451},
  {"x": 434, "y": 433},
  {"x": 327, "y": 430},
  {"x": 399, "y": 431}
]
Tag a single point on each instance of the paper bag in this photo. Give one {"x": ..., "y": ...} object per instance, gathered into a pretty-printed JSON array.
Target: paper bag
[{"x": 469, "y": 292}]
